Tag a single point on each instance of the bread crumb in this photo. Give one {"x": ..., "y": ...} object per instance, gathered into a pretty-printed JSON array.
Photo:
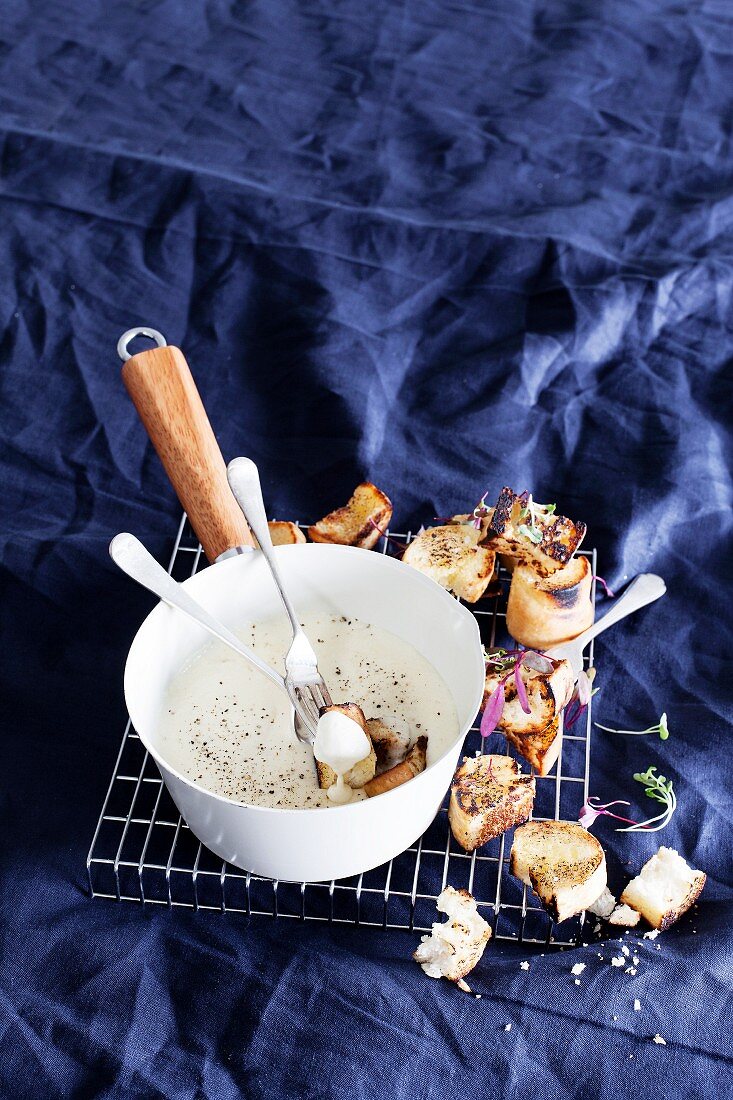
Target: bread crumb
[
  {"x": 637, "y": 1005},
  {"x": 578, "y": 968},
  {"x": 618, "y": 961},
  {"x": 507, "y": 1027},
  {"x": 629, "y": 970},
  {"x": 524, "y": 965},
  {"x": 577, "y": 981},
  {"x": 635, "y": 960},
  {"x": 614, "y": 1017},
  {"x": 651, "y": 935},
  {"x": 659, "y": 1040},
  {"x": 625, "y": 950}
]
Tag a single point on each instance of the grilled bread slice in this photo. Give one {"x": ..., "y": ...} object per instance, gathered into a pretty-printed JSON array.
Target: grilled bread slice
[
  {"x": 506, "y": 532},
  {"x": 562, "y": 862},
  {"x": 547, "y": 694},
  {"x": 391, "y": 739},
  {"x": 540, "y": 749},
  {"x": 359, "y": 522},
  {"x": 488, "y": 796},
  {"x": 452, "y": 557},
  {"x": 454, "y": 947},
  {"x": 283, "y": 533},
  {"x": 535, "y": 736},
  {"x": 545, "y": 612},
  {"x": 364, "y": 769},
  {"x": 664, "y": 889}
]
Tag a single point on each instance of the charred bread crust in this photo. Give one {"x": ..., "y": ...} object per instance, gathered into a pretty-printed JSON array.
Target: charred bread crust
[
  {"x": 674, "y": 914},
  {"x": 502, "y": 513},
  {"x": 665, "y": 888},
  {"x": 391, "y": 746},
  {"x": 561, "y": 536},
  {"x": 414, "y": 763},
  {"x": 546, "y": 611}
]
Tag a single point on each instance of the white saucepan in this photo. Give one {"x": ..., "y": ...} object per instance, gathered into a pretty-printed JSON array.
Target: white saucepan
[
  {"x": 286, "y": 844},
  {"x": 323, "y": 843}
]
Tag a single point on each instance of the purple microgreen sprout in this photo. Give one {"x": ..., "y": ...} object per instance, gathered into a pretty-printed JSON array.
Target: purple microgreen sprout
[
  {"x": 660, "y": 789},
  {"x": 582, "y": 695},
  {"x": 593, "y": 809},
  {"x": 538, "y": 662},
  {"x": 519, "y": 683},
  {"x": 508, "y": 662},
  {"x": 492, "y": 710},
  {"x": 606, "y": 587},
  {"x": 662, "y": 728}
]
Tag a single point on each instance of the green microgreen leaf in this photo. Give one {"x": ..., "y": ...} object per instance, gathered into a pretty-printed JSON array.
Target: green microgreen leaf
[{"x": 661, "y": 728}]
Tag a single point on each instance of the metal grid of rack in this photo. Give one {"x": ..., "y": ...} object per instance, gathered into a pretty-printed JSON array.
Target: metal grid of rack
[{"x": 144, "y": 852}]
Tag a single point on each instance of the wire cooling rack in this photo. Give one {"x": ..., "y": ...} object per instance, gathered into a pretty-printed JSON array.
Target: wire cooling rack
[{"x": 144, "y": 852}]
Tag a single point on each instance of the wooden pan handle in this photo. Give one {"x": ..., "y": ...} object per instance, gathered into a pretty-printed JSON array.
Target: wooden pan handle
[{"x": 164, "y": 393}]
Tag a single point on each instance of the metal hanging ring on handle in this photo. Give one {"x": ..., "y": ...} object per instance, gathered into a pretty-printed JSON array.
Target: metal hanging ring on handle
[{"x": 142, "y": 330}]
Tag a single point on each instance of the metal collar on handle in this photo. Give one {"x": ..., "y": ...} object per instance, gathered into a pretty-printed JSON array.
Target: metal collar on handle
[{"x": 142, "y": 330}]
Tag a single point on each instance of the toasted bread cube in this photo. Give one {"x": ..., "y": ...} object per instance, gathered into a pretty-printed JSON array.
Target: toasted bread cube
[
  {"x": 414, "y": 763},
  {"x": 488, "y": 796},
  {"x": 391, "y": 739},
  {"x": 454, "y": 947},
  {"x": 451, "y": 556},
  {"x": 664, "y": 889},
  {"x": 562, "y": 862},
  {"x": 283, "y": 533},
  {"x": 359, "y": 522},
  {"x": 561, "y": 537},
  {"x": 364, "y": 769}
]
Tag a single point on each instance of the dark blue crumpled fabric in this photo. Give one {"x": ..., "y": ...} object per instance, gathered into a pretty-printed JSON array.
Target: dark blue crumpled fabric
[{"x": 442, "y": 245}]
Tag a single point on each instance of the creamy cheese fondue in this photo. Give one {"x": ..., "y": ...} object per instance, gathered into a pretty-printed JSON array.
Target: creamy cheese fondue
[{"x": 228, "y": 728}]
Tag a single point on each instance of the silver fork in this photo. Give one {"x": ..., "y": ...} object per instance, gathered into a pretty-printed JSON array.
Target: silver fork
[
  {"x": 644, "y": 589},
  {"x": 131, "y": 556},
  {"x": 303, "y": 681}
]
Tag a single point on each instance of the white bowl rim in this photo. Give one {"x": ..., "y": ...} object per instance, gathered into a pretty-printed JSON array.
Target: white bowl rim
[{"x": 349, "y": 807}]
